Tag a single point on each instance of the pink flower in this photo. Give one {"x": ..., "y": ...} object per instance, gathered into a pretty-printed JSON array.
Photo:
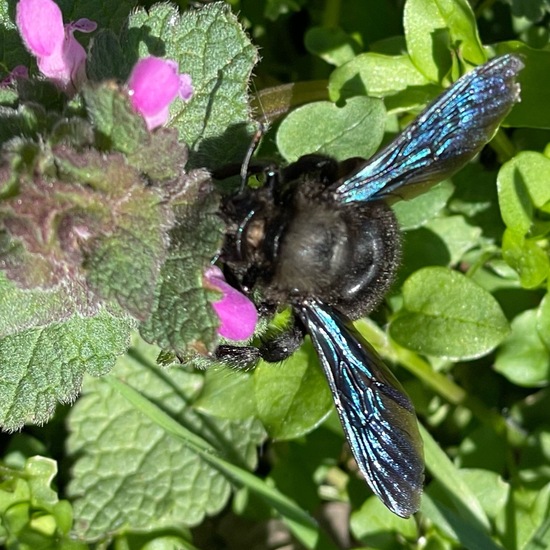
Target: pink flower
[
  {"x": 238, "y": 315},
  {"x": 153, "y": 85},
  {"x": 59, "y": 56}
]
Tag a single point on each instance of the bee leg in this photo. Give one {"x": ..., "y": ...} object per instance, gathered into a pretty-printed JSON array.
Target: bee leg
[
  {"x": 239, "y": 357},
  {"x": 281, "y": 346},
  {"x": 273, "y": 349}
]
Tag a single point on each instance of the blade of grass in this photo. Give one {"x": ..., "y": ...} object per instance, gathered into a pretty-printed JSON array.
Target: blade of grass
[
  {"x": 469, "y": 535},
  {"x": 448, "y": 475},
  {"x": 302, "y": 525},
  {"x": 468, "y": 521}
]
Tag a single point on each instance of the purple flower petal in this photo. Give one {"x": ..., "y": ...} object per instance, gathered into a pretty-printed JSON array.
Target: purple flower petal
[
  {"x": 59, "y": 56},
  {"x": 153, "y": 85},
  {"x": 238, "y": 315},
  {"x": 66, "y": 68},
  {"x": 83, "y": 25},
  {"x": 40, "y": 23}
]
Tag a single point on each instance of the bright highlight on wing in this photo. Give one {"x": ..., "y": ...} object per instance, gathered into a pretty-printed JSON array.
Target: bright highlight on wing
[
  {"x": 451, "y": 131},
  {"x": 376, "y": 414}
]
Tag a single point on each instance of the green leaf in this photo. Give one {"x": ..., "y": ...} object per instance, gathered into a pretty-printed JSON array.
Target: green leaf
[
  {"x": 448, "y": 315},
  {"x": 457, "y": 234},
  {"x": 299, "y": 464},
  {"x": 292, "y": 398},
  {"x": 415, "y": 212},
  {"x": 490, "y": 489},
  {"x": 300, "y": 523},
  {"x": 526, "y": 257},
  {"x": 113, "y": 117},
  {"x": 434, "y": 28},
  {"x": 533, "y": 111},
  {"x": 129, "y": 473},
  {"x": 375, "y": 75},
  {"x": 541, "y": 535},
  {"x": 454, "y": 506},
  {"x": 340, "y": 132},
  {"x": 23, "y": 309},
  {"x": 376, "y": 527},
  {"x": 531, "y": 514},
  {"x": 523, "y": 358},
  {"x": 543, "y": 320},
  {"x": 227, "y": 393},
  {"x": 211, "y": 46},
  {"x": 182, "y": 317},
  {"x": 331, "y": 44},
  {"x": 524, "y": 193},
  {"x": 32, "y": 514},
  {"x": 44, "y": 366},
  {"x": 483, "y": 447}
]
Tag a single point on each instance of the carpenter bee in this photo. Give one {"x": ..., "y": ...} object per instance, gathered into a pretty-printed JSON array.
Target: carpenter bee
[{"x": 320, "y": 236}]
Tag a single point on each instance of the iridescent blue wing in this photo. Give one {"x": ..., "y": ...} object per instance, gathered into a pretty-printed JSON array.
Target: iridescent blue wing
[
  {"x": 443, "y": 137},
  {"x": 377, "y": 416}
]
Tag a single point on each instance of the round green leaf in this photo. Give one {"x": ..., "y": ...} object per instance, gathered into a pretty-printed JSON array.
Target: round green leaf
[
  {"x": 523, "y": 188},
  {"x": 543, "y": 320},
  {"x": 373, "y": 522},
  {"x": 523, "y": 358},
  {"x": 292, "y": 398},
  {"x": 227, "y": 393},
  {"x": 491, "y": 490},
  {"x": 376, "y": 74},
  {"x": 526, "y": 257},
  {"x": 533, "y": 111},
  {"x": 415, "y": 212},
  {"x": 433, "y": 28},
  {"x": 354, "y": 130},
  {"x": 332, "y": 45},
  {"x": 458, "y": 235},
  {"x": 448, "y": 315}
]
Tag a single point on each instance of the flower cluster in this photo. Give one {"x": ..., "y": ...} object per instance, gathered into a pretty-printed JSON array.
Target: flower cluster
[{"x": 153, "y": 85}]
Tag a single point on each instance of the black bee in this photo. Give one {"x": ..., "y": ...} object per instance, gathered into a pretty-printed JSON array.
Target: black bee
[{"x": 321, "y": 237}]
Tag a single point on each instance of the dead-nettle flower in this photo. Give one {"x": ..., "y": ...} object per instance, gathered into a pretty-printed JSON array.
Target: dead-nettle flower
[
  {"x": 153, "y": 85},
  {"x": 237, "y": 314},
  {"x": 59, "y": 56}
]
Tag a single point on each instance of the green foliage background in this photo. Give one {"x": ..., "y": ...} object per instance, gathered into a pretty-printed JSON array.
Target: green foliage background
[{"x": 161, "y": 457}]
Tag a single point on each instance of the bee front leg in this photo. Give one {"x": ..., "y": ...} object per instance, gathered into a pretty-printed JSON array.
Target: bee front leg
[
  {"x": 273, "y": 349},
  {"x": 282, "y": 345},
  {"x": 239, "y": 357}
]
